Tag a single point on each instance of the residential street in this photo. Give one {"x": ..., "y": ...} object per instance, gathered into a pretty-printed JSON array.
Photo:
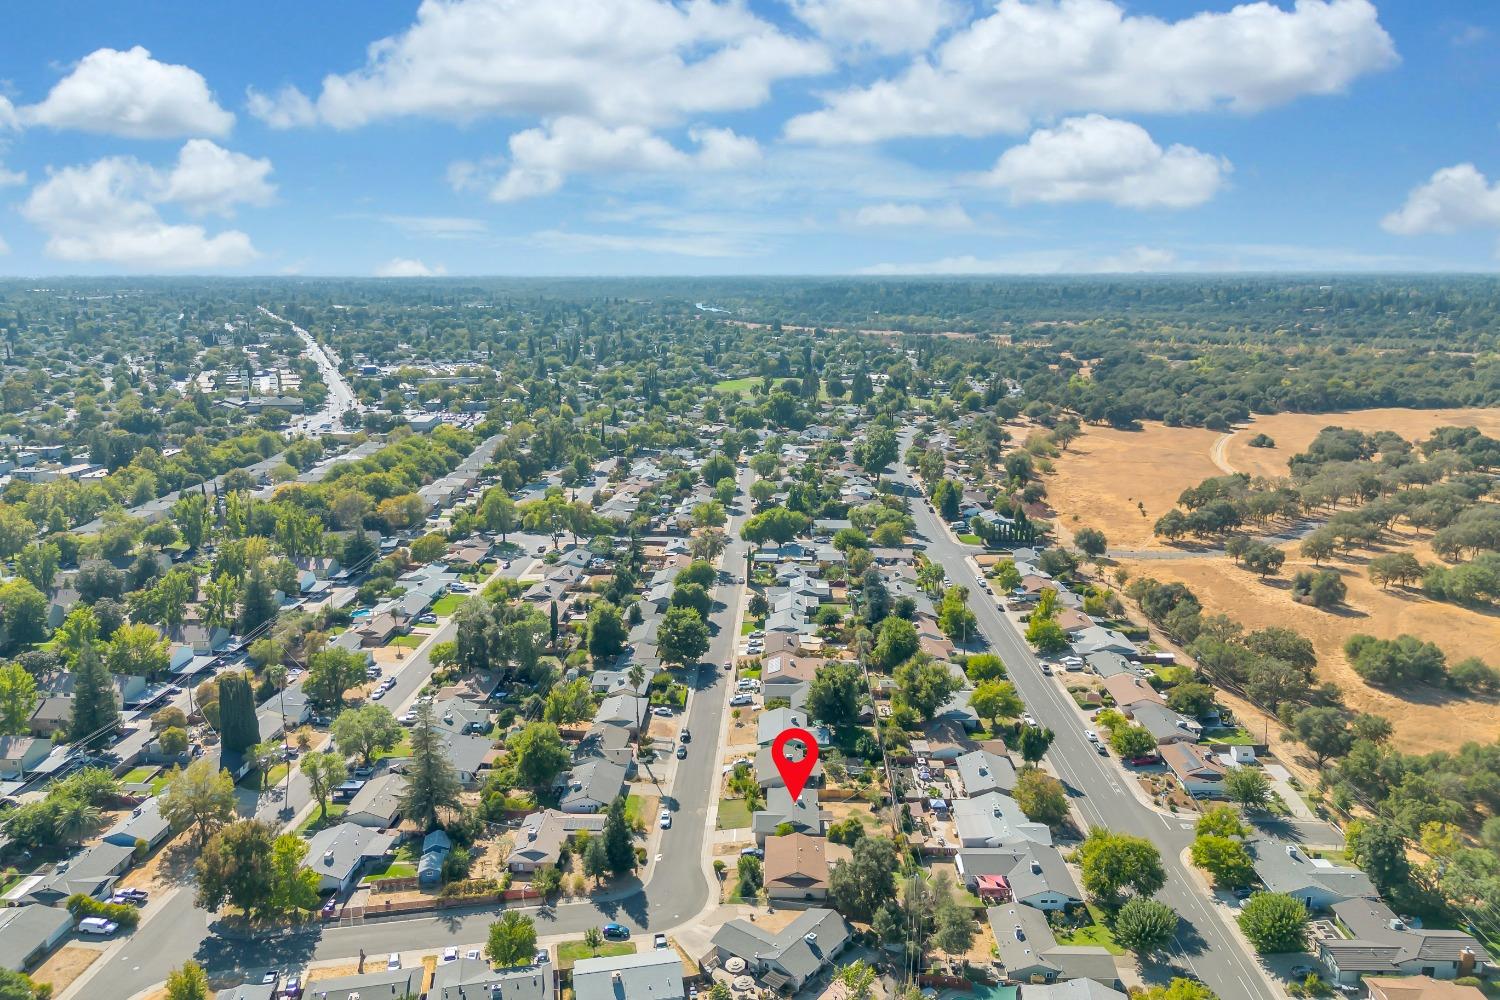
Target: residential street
[
  {"x": 1205, "y": 946},
  {"x": 673, "y": 895}
]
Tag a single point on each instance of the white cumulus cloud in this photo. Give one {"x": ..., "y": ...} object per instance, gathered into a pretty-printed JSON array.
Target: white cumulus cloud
[
  {"x": 132, "y": 95},
  {"x": 404, "y": 267},
  {"x": 1035, "y": 59},
  {"x": 1454, "y": 198},
  {"x": 109, "y": 210},
  {"x": 1094, "y": 158},
  {"x": 898, "y": 214},
  {"x": 649, "y": 62},
  {"x": 211, "y": 179},
  {"x": 1133, "y": 260},
  {"x": 541, "y": 159},
  {"x": 884, "y": 26}
]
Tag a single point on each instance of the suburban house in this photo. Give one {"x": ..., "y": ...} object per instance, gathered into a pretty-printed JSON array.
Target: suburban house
[
  {"x": 796, "y": 867},
  {"x": 1128, "y": 690},
  {"x": 21, "y": 754},
  {"x": 29, "y": 933},
  {"x": 377, "y": 804},
  {"x": 385, "y": 983},
  {"x": 995, "y": 820},
  {"x": 473, "y": 979},
  {"x": 1382, "y": 943},
  {"x": 1029, "y": 952},
  {"x": 788, "y": 958},
  {"x": 92, "y": 872},
  {"x": 653, "y": 974},
  {"x": 539, "y": 839},
  {"x": 1419, "y": 988},
  {"x": 981, "y": 771},
  {"x": 1072, "y": 989},
  {"x": 592, "y": 786},
  {"x": 339, "y": 854},
  {"x": 1164, "y": 724},
  {"x": 1319, "y": 884},
  {"x": 767, "y": 776},
  {"x": 1200, "y": 772},
  {"x": 803, "y": 814},
  {"x": 455, "y": 715},
  {"x": 144, "y": 824}
]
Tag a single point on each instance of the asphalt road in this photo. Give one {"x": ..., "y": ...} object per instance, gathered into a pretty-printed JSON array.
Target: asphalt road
[
  {"x": 1204, "y": 945},
  {"x": 677, "y": 891}
]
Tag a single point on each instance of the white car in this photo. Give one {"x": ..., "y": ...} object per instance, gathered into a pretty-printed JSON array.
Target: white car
[
  {"x": 741, "y": 699},
  {"x": 409, "y": 719},
  {"x": 378, "y": 693},
  {"x": 472, "y": 954},
  {"x": 666, "y": 821},
  {"x": 97, "y": 926},
  {"x": 1028, "y": 719},
  {"x": 450, "y": 954},
  {"x": 393, "y": 963},
  {"x": 663, "y": 711},
  {"x": 1091, "y": 736}
]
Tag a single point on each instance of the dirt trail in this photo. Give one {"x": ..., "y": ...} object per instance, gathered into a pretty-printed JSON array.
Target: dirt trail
[{"x": 1216, "y": 453}]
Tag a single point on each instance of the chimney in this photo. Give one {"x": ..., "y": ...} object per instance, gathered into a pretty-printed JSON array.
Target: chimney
[{"x": 1466, "y": 962}]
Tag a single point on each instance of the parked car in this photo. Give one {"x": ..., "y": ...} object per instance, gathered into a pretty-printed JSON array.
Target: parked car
[
  {"x": 1091, "y": 736},
  {"x": 136, "y": 896},
  {"x": 1101, "y": 749},
  {"x": 660, "y": 941},
  {"x": 1028, "y": 719},
  {"x": 271, "y": 977},
  {"x": 752, "y": 852},
  {"x": 393, "y": 962},
  {"x": 1144, "y": 760},
  {"x": 616, "y": 932},
  {"x": 741, "y": 699},
  {"x": 97, "y": 926},
  {"x": 472, "y": 954},
  {"x": 1047, "y": 669},
  {"x": 378, "y": 693},
  {"x": 687, "y": 735},
  {"x": 450, "y": 954},
  {"x": 665, "y": 822},
  {"x": 427, "y": 619},
  {"x": 409, "y": 719},
  {"x": 662, "y": 711}
]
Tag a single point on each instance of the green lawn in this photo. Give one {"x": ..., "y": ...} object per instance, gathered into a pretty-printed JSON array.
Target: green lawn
[
  {"x": 737, "y": 386},
  {"x": 136, "y": 775},
  {"x": 1230, "y": 737},
  {"x": 313, "y": 824},
  {"x": 402, "y": 749},
  {"x": 408, "y": 641},
  {"x": 390, "y": 869},
  {"x": 734, "y": 814},
  {"x": 970, "y": 539},
  {"x": 571, "y": 951},
  {"x": 635, "y": 810},
  {"x": 1095, "y": 934},
  {"x": 158, "y": 783},
  {"x": 448, "y": 604}
]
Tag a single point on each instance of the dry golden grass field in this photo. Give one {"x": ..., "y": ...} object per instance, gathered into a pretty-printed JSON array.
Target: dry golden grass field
[
  {"x": 1294, "y": 431},
  {"x": 1105, "y": 473}
]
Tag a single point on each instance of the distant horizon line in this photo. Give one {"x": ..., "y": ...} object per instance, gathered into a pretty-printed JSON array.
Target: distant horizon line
[{"x": 806, "y": 276}]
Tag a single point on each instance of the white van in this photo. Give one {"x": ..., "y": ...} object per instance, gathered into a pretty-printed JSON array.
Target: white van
[{"x": 97, "y": 926}]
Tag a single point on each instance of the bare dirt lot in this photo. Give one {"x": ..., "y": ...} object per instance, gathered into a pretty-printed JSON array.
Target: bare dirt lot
[
  {"x": 1426, "y": 720},
  {"x": 1122, "y": 481},
  {"x": 66, "y": 964},
  {"x": 1292, "y": 432}
]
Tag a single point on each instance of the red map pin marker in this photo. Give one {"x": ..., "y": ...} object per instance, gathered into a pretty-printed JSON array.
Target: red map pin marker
[{"x": 794, "y": 772}]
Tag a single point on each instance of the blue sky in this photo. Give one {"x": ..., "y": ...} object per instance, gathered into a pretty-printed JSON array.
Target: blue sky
[{"x": 701, "y": 137}]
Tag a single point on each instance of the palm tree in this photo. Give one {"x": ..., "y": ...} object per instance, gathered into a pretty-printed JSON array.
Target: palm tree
[
  {"x": 75, "y": 819},
  {"x": 594, "y": 939},
  {"x": 637, "y": 675}
]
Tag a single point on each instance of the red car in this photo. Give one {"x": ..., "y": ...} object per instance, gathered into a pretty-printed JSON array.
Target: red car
[{"x": 1144, "y": 760}]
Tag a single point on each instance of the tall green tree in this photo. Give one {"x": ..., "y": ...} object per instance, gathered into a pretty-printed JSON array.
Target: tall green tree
[
  {"x": 188, "y": 982},
  {"x": 431, "y": 783},
  {"x": 682, "y": 636},
  {"x": 1274, "y": 922},
  {"x": 199, "y": 797},
  {"x": 617, "y": 843},
  {"x": 538, "y": 755},
  {"x": 18, "y": 699},
  {"x": 512, "y": 940},
  {"x": 1145, "y": 926},
  {"x": 1116, "y": 863},
  {"x": 366, "y": 730},
  {"x": 324, "y": 772},
  {"x": 234, "y": 868},
  {"x": 238, "y": 727},
  {"x": 95, "y": 713}
]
